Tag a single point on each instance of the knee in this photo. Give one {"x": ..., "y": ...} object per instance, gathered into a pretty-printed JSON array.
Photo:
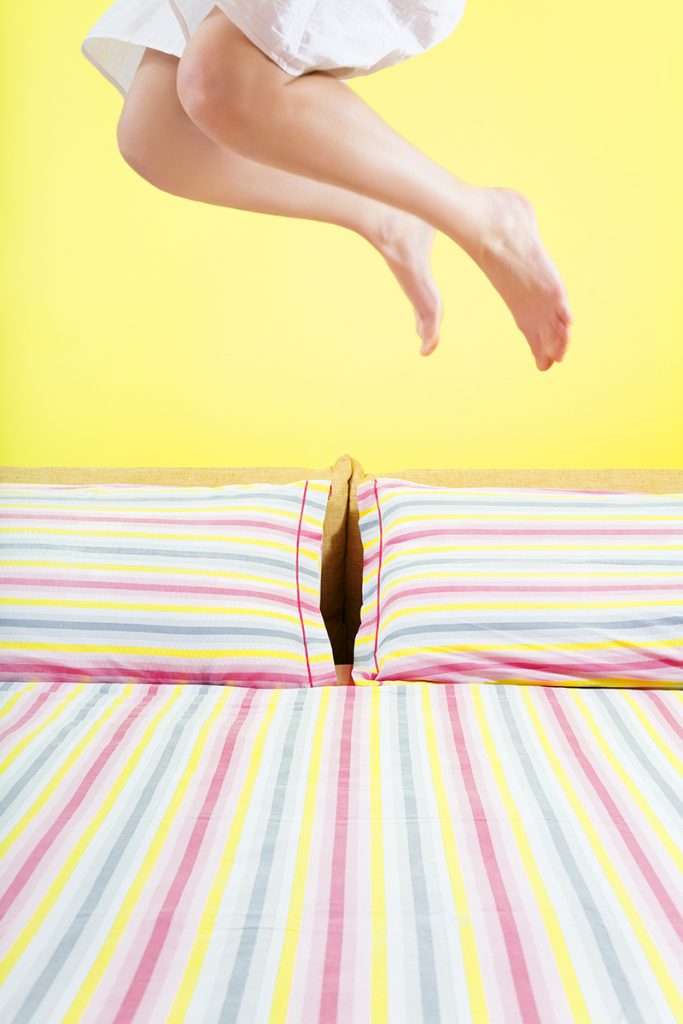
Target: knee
[{"x": 227, "y": 103}]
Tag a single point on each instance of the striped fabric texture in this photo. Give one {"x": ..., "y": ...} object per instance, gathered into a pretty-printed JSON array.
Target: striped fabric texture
[
  {"x": 162, "y": 583},
  {"x": 582, "y": 588},
  {"x": 411, "y": 854}
]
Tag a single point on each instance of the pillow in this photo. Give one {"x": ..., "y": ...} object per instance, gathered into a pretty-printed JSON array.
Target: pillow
[
  {"x": 171, "y": 584},
  {"x": 332, "y": 598},
  {"x": 526, "y": 585}
]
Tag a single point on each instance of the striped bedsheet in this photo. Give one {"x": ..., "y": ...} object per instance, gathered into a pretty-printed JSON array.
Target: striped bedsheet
[{"x": 404, "y": 853}]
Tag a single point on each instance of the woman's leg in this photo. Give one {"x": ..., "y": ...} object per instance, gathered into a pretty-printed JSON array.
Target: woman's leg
[
  {"x": 315, "y": 125},
  {"x": 159, "y": 141}
]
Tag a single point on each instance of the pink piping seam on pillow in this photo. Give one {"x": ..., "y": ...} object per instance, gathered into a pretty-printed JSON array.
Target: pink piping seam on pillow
[
  {"x": 379, "y": 571},
  {"x": 298, "y": 591}
]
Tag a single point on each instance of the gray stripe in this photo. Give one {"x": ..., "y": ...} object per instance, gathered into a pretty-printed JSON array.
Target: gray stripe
[
  {"x": 639, "y": 752},
  {"x": 273, "y": 499},
  {"x": 429, "y": 990},
  {"x": 504, "y": 562},
  {"x": 133, "y": 818},
  {"x": 31, "y": 772},
  {"x": 477, "y": 504},
  {"x": 171, "y": 554},
  {"x": 523, "y": 625},
  {"x": 239, "y": 973},
  {"x": 610, "y": 958},
  {"x": 140, "y": 627}
]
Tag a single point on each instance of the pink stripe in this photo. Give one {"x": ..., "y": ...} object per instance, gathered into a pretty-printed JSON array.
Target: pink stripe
[
  {"x": 63, "y": 821},
  {"x": 128, "y": 584},
  {"x": 379, "y": 570},
  {"x": 298, "y": 589},
  {"x": 370, "y": 559},
  {"x": 666, "y": 714},
  {"x": 588, "y": 588},
  {"x": 331, "y": 975},
  {"x": 621, "y": 826},
  {"x": 492, "y": 664},
  {"x": 532, "y": 531},
  {"x": 49, "y": 672},
  {"x": 519, "y": 971},
  {"x": 150, "y": 955},
  {"x": 199, "y": 524},
  {"x": 31, "y": 711}
]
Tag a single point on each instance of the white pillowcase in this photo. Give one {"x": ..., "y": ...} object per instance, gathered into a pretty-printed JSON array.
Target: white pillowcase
[{"x": 519, "y": 584}]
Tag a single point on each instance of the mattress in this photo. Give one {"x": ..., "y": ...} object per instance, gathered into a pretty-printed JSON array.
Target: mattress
[{"x": 405, "y": 853}]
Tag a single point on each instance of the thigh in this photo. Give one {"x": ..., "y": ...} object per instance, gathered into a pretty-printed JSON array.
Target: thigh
[
  {"x": 154, "y": 132},
  {"x": 219, "y": 54},
  {"x": 153, "y": 89}
]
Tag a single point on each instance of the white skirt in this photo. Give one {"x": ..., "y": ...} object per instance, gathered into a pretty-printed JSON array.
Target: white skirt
[{"x": 343, "y": 37}]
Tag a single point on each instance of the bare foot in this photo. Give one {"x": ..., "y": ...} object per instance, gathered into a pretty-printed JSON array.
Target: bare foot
[
  {"x": 405, "y": 241},
  {"x": 512, "y": 256}
]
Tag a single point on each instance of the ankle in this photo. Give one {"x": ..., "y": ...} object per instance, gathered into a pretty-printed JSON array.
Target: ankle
[
  {"x": 383, "y": 227},
  {"x": 507, "y": 209}
]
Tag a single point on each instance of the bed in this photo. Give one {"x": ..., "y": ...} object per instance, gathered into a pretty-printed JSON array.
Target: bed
[{"x": 408, "y": 852}]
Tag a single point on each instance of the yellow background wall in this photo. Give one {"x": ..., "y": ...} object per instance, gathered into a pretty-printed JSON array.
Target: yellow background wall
[{"x": 140, "y": 328}]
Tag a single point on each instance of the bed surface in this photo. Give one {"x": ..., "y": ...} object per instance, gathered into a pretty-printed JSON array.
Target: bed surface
[{"x": 404, "y": 853}]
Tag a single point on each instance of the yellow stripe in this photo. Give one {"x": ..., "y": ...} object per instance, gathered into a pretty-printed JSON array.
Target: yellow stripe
[
  {"x": 580, "y": 681},
  {"x": 83, "y": 997},
  {"x": 206, "y": 928},
  {"x": 431, "y": 517},
  {"x": 404, "y": 579},
  {"x": 369, "y": 605},
  {"x": 445, "y": 548},
  {"x": 558, "y": 499},
  {"x": 313, "y": 485},
  {"x": 521, "y": 606},
  {"x": 55, "y": 779},
  {"x": 668, "y": 986},
  {"x": 161, "y": 652},
  {"x": 533, "y": 492},
  {"x": 468, "y": 941},
  {"x": 659, "y": 740},
  {"x": 71, "y": 863},
  {"x": 280, "y": 513},
  {"x": 290, "y": 946},
  {"x": 524, "y": 574},
  {"x": 257, "y": 612},
  {"x": 545, "y": 905},
  {"x": 577, "y": 645},
  {"x": 379, "y": 995},
  {"x": 13, "y": 700},
  {"x": 656, "y": 825},
  {"x": 28, "y": 737}
]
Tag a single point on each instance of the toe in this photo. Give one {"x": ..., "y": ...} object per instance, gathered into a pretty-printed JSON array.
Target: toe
[
  {"x": 429, "y": 324},
  {"x": 543, "y": 359},
  {"x": 428, "y": 345},
  {"x": 563, "y": 345},
  {"x": 552, "y": 344},
  {"x": 561, "y": 328},
  {"x": 565, "y": 313}
]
